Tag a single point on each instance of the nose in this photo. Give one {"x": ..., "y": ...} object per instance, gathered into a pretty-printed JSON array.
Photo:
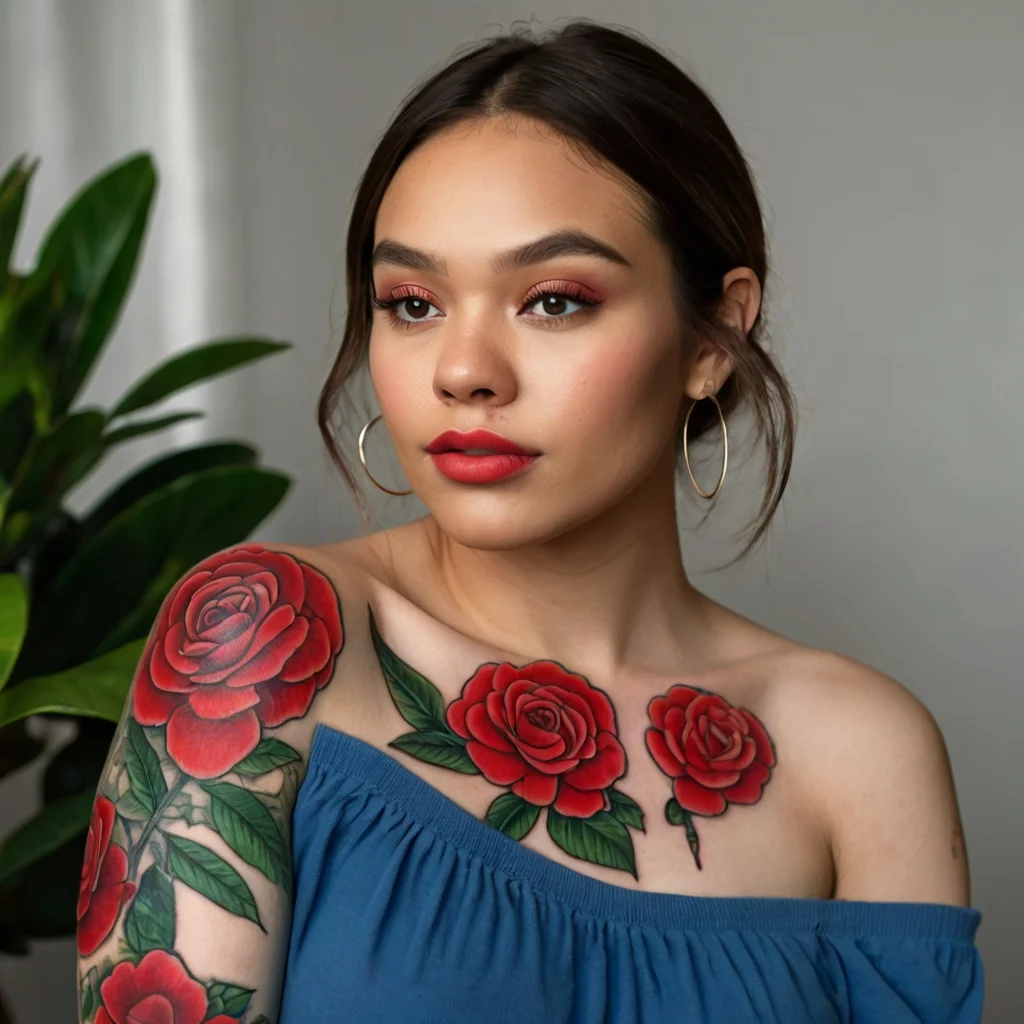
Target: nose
[{"x": 473, "y": 368}]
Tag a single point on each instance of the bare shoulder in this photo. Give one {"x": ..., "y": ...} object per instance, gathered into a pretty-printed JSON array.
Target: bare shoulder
[{"x": 875, "y": 766}]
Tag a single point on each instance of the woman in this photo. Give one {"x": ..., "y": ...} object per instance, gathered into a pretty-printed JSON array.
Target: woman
[{"x": 543, "y": 777}]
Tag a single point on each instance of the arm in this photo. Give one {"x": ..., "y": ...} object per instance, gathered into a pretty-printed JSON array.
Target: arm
[
  {"x": 887, "y": 791},
  {"x": 185, "y": 907}
]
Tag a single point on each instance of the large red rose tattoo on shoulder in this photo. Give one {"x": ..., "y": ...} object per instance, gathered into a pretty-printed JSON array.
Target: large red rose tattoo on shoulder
[
  {"x": 545, "y": 732},
  {"x": 243, "y": 641},
  {"x": 716, "y": 754}
]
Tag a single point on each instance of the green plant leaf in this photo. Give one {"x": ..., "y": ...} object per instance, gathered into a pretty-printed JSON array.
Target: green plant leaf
[
  {"x": 48, "y": 830},
  {"x": 17, "y": 429},
  {"x": 211, "y": 876},
  {"x": 28, "y": 312},
  {"x": 13, "y": 621},
  {"x": 144, "y": 773},
  {"x": 155, "y": 474},
  {"x": 95, "y": 689},
  {"x": 110, "y": 590},
  {"x": 130, "y": 431},
  {"x": 599, "y": 839},
  {"x": 419, "y": 701},
  {"x": 437, "y": 747},
  {"x": 193, "y": 366},
  {"x": 626, "y": 809},
  {"x": 150, "y": 922},
  {"x": 512, "y": 815},
  {"x": 246, "y": 825},
  {"x": 232, "y": 1000},
  {"x": 13, "y": 190},
  {"x": 52, "y": 466},
  {"x": 94, "y": 246},
  {"x": 268, "y": 754}
]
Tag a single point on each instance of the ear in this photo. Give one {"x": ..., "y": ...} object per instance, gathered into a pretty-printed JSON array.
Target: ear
[{"x": 738, "y": 308}]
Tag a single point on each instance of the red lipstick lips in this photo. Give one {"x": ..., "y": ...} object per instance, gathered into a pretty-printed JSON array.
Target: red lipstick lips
[{"x": 479, "y": 456}]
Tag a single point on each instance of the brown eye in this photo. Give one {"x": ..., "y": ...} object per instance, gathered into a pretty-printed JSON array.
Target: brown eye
[{"x": 415, "y": 306}]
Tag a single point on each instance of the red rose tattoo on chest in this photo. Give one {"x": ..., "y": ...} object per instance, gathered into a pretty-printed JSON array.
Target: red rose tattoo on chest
[
  {"x": 546, "y": 733},
  {"x": 715, "y": 754}
]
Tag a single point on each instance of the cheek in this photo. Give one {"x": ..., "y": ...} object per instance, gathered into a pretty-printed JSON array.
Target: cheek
[
  {"x": 622, "y": 398},
  {"x": 397, "y": 382}
]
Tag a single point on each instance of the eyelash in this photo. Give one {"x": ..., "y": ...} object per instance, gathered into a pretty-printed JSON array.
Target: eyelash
[{"x": 567, "y": 291}]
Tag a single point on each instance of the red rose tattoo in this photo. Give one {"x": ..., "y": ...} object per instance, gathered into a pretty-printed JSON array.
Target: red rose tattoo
[
  {"x": 157, "y": 990},
  {"x": 544, "y": 731},
  {"x": 244, "y": 641},
  {"x": 541, "y": 730},
  {"x": 715, "y": 754},
  {"x": 104, "y": 889}
]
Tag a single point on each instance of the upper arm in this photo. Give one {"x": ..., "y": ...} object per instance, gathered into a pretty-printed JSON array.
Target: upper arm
[
  {"x": 186, "y": 886},
  {"x": 886, "y": 787}
]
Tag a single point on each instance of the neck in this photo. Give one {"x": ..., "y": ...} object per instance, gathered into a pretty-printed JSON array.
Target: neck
[{"x": 609, "y": 594}]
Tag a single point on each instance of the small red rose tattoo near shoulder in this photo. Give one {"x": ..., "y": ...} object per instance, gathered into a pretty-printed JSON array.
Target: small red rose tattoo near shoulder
[
  {"x": 716, "y": 755},
  {"x": 242, "y": 643},
  {"x": 546, "y": 733}
]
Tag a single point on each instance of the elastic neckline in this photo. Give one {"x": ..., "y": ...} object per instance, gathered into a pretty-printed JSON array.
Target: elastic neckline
[{"x": 369, "y": 766}]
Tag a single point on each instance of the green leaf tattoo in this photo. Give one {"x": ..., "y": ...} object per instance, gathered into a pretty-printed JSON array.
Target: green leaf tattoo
[
  {"x": 143, "y": 765},
  {"x": 232, "y": 1000},
  {"x": 512, "y": 815},
  {"x": 211, "y": 876},
  {"x": 440, "y": 748},
  {"x": 150, "y": 921},
  {"x": 270, "y": 753},
  {"x": 419, "y": 701},
  {"x": 626, "y": 809},
  {"x": 248, "y": 827},
  {"x": 600, "y": 839}
]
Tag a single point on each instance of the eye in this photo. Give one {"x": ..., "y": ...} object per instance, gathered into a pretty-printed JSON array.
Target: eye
[
  {"x": 554, "y": 303},
  {"x": 411, "y": 301}
]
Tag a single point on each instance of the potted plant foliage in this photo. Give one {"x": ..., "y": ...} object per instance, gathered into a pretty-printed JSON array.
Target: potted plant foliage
[{"x": 78, "y": 593}]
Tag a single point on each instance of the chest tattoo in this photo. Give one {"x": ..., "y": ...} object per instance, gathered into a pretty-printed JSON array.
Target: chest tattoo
[{"x": 550, "y": 739}]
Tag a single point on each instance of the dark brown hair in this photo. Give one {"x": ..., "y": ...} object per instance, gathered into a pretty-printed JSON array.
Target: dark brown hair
[{"x": 611, "y": 95}]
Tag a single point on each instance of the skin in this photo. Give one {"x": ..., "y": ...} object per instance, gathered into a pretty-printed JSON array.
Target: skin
[{"x": 571, "y": 571}]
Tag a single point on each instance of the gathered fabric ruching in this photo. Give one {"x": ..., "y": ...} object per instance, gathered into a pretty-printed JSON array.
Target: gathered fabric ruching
[{"x": 410, "y": 909}]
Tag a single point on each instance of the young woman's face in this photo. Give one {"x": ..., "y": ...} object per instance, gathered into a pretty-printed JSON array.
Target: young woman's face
[{"x": 595, "y": 389}]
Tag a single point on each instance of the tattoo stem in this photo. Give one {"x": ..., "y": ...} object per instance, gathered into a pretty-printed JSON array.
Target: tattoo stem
[{"x": 172, "y": 791}]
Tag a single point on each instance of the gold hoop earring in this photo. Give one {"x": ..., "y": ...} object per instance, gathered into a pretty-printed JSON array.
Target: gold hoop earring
[
  {"x": 362, "y": 457},
  {"x": 706, "y": 393}
]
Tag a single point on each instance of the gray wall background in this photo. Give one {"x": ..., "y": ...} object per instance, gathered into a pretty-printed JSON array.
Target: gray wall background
[{"x": 888, "y": 143}]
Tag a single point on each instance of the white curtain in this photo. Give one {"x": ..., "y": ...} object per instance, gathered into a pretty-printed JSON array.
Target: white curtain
[{"x": 83, "y": 83}]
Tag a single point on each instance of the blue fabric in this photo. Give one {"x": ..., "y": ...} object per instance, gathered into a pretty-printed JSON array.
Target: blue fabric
[{"x": 409, "y": 908}]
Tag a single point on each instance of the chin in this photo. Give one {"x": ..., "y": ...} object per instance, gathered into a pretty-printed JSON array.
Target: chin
[{"x": 504, "y": 522}]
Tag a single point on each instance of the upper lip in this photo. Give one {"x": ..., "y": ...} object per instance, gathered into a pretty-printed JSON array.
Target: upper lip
[{"x": 458, "y": 441}]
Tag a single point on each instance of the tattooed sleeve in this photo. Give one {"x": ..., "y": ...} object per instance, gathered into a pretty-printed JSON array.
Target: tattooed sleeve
[{"x": 189, "y": 849}]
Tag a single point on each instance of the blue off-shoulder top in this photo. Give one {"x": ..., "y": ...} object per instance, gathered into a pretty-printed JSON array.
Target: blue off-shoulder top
[{"x": 407, "y": 907}]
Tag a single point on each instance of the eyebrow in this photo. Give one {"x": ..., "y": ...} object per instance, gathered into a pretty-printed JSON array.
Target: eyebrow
[{"x": 547, "y": 247}]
